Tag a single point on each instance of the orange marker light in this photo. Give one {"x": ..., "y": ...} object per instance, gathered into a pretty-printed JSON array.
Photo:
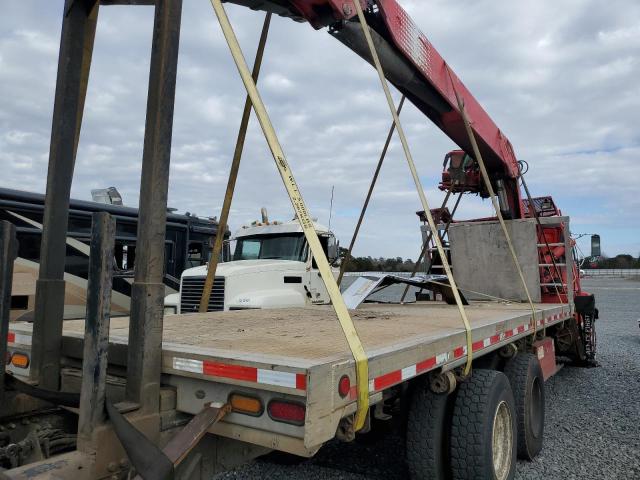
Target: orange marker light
[
  {"x": 20, "y": 360},
  {"x": 246, "y": 404}
]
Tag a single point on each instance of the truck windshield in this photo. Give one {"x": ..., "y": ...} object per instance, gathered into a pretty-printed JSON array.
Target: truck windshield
[{"x": 290, "y": 246}]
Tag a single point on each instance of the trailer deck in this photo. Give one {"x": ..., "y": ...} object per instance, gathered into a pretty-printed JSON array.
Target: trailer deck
[
  {"x": 301, "y": 353},
  {"x": 307, "y": 337}
]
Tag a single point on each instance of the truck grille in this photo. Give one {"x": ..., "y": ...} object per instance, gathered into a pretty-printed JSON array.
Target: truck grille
[{"x": 191, "y": 293}]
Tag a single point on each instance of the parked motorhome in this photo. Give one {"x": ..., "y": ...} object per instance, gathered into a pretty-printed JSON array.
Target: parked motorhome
[{"x": 187, "y": 244}]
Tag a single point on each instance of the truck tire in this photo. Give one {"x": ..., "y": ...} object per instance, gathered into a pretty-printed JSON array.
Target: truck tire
[
  {"x": 483, "y": 428},
  {"x": 527, "y": 382},
  {"x": 426, "y": 437}
]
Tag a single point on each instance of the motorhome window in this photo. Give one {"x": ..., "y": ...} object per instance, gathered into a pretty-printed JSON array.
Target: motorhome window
[
  {"x": 120, "y": 254},
  {"x": 276, "y": 247},
  {"x": 129, "y": 257},
  {"x": 19, "y": 302},
  {"x": 194, "y": 257},
  {"x": 77, "y": 260},
  {"x": 79, "y": 224},
  {"x": 29, "y": 246},
  {"x": 168, "y": 256}
]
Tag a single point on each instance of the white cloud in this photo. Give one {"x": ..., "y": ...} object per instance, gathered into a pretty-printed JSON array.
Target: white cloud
[
  {"x": 560, "y": 81},
  {"x": 277, "y": 82},
  {"x": 37, "y": 41},
  {"x": 213, "y": 109},
  {"x": 16, "y": 137}
]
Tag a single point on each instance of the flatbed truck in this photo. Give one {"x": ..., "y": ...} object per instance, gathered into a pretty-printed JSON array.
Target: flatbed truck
[
  {"x": 298, "y": 356},
  {"x": 290, "y": 377},
  {"x": 185, "y": 396}
]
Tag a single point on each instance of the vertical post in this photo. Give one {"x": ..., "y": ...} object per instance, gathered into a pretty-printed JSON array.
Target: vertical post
[
  {"x": 76, "y": 47},
  {"x": 96, "y": 327},
  {"x": 427, "y": 242},
  {"x": 145, "y": 327},
  {"x": 233, "y": 173},
  {"x": 8, "y": 252}
]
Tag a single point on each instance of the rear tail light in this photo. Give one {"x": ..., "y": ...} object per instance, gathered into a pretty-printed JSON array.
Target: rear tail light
[
  {"x": 246, "y": 404},
  {"x": 287, "y": 412},
  {"x": 20, "y": 360}
]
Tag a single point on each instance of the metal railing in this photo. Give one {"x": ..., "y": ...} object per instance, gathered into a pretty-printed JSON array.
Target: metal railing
[
  {"x": 363, "y": 274},
  {"x": 611, "y": 272}
]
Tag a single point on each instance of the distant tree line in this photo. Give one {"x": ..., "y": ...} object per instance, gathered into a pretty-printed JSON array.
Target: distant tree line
[
  {"x": 619, "y": 261},
  {"x": 381, "y": 264},
  {"x": 398, "y": 264}
]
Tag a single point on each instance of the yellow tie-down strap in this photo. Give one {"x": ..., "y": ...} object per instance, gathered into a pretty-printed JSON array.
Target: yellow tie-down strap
[
  {"x": 362, "y": 365},
  {"x": 418, "y": 184},
  {"x": 494, "y": 201}
]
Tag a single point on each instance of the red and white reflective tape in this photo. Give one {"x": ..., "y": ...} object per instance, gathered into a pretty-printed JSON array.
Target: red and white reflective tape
[
  {"x": 18, "y": 338},
  {"x": 553, "y": 318},
  {"x": 497, "y": 338},
  {"x": 240, "y": 372},
  {"x": 397, "y": 376}
]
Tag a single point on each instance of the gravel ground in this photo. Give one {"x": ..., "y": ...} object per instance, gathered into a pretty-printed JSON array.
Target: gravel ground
[{"x": 592, "y": 427}]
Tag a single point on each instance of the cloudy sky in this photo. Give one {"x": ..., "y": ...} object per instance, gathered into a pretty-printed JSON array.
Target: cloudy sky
[{"x": 561, "y": 79}]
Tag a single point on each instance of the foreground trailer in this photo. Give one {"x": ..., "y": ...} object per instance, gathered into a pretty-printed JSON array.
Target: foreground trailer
[{"x": 188, "y": 240}]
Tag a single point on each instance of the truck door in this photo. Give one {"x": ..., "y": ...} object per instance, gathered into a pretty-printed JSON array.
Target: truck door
[{"x": 318, "y": 291}]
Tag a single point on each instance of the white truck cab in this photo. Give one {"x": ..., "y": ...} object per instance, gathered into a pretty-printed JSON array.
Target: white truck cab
[{"x": 270, "y": 266}]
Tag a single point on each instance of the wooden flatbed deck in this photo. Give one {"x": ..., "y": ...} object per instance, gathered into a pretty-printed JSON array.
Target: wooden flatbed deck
[
  {"x": 305, "y": 337},
  {"x": 313, "y": 334}
]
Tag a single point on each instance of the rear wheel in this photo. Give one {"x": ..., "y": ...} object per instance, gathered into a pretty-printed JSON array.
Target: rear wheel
[
  {"x": 427, "y": 435},
  {"x": 483, "y": 428},
  {"x": 527, "y": 382}
]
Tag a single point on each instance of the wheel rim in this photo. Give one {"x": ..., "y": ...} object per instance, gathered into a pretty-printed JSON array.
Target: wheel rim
[
  {"x": 535, "y": 423},
  {"x": 502, "y": 441}
]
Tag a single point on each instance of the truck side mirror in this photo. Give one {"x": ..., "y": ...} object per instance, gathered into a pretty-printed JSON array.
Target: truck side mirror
[
  {"x": 332, "y": 249},
  {"x": 595, "y": 246}
]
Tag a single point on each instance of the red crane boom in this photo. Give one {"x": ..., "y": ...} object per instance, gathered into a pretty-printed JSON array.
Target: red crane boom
[
  {"x": 415, "y": 68},
  {"x": 495, "y": 147}
]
